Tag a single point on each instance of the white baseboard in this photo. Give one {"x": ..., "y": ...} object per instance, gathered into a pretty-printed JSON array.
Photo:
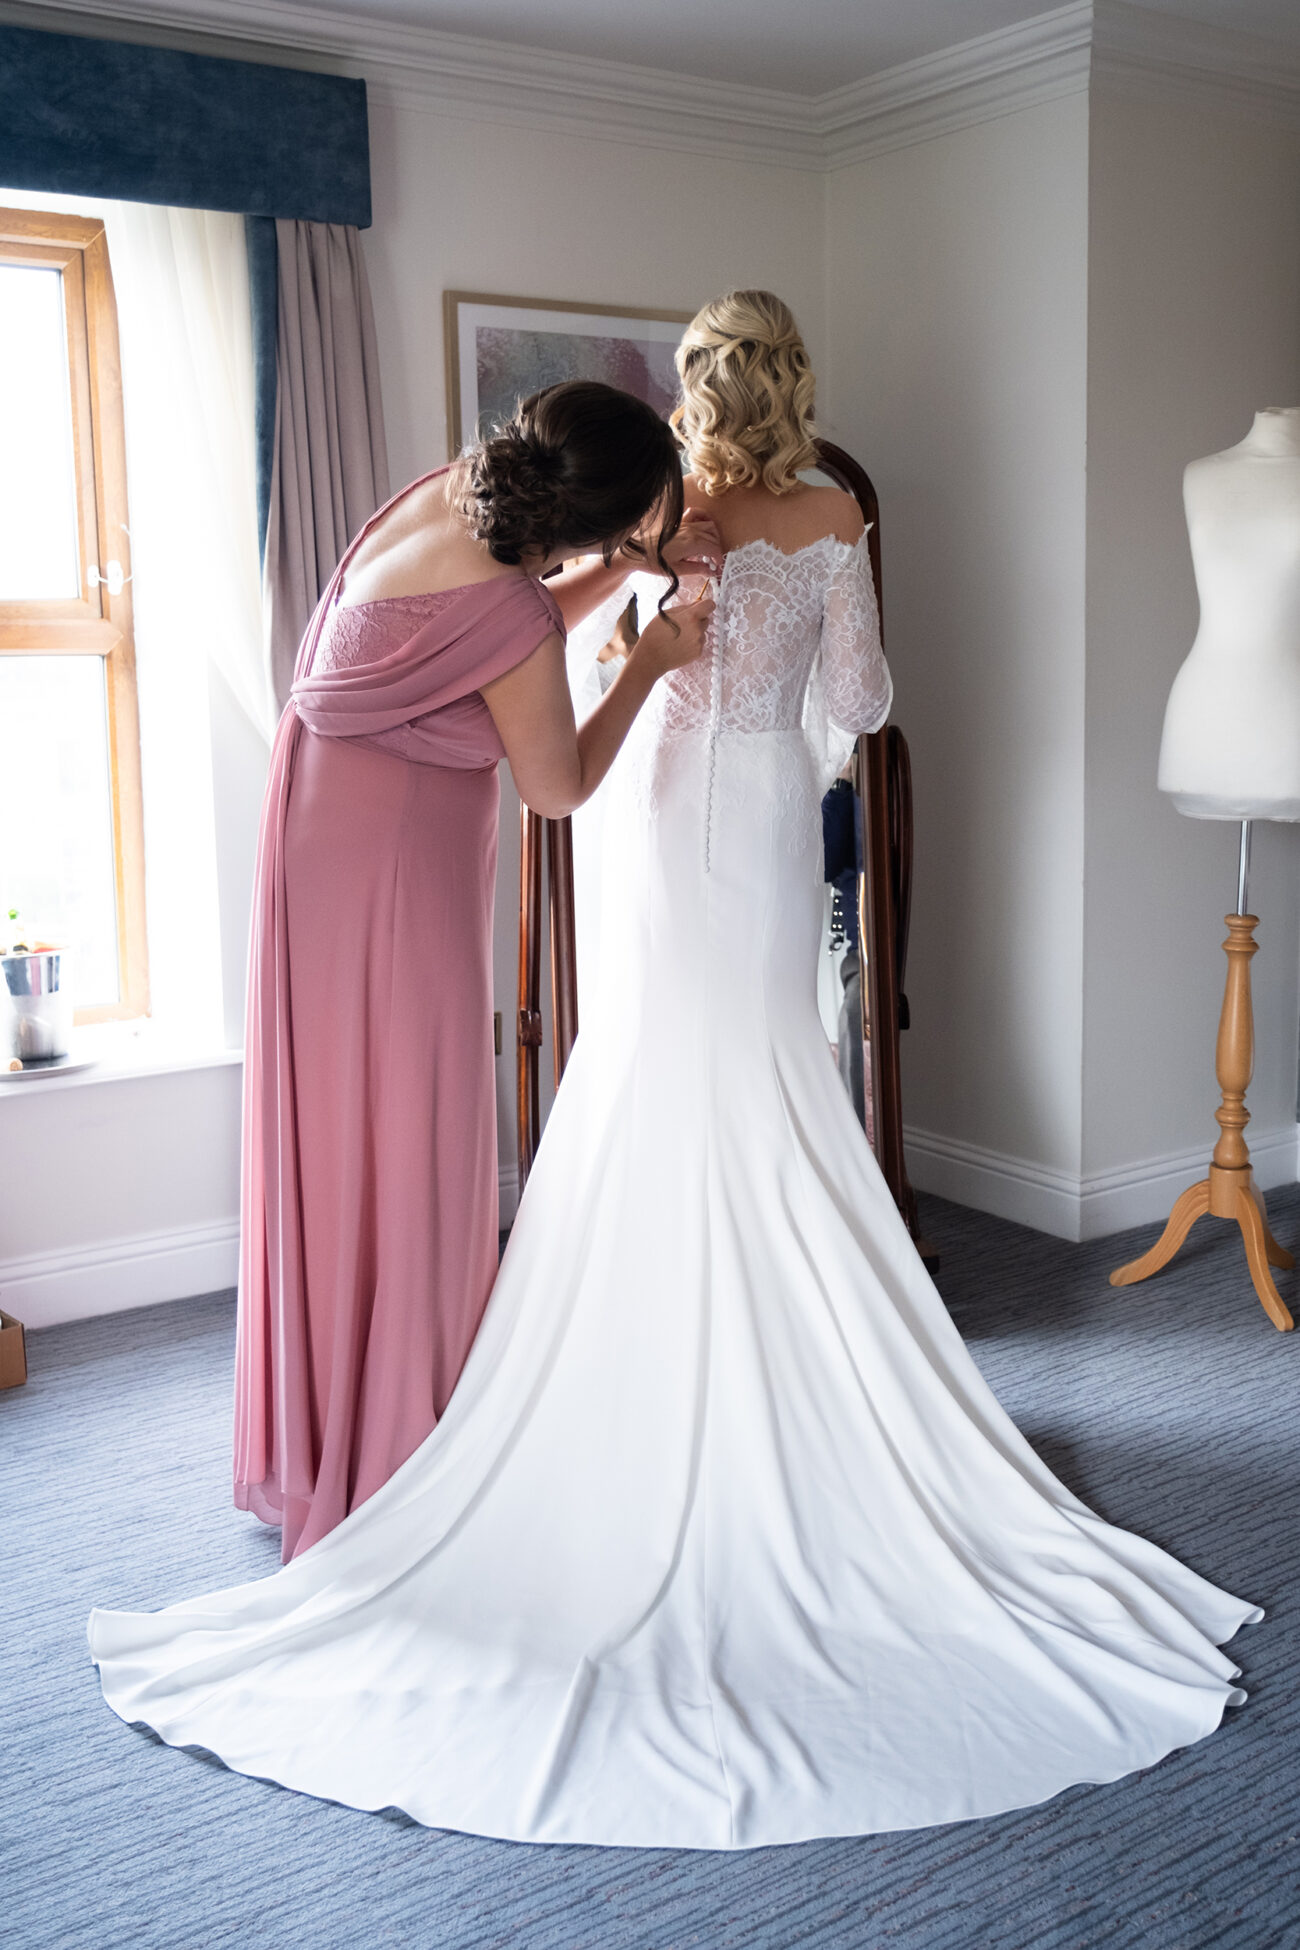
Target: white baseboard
[
  {"x": 47, "y": 1288},
  {"x": 1141, "y": 1194},
  {"x": 993, "y": 1181},
  {"x": 1077, "y": 1208}
]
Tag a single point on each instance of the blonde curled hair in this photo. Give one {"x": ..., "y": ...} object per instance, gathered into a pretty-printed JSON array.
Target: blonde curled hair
[{"x": 746, "y": 414}]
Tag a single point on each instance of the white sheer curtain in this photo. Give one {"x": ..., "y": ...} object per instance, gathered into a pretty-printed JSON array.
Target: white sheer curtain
[
  {"x": 181, "y": 278},
  {"x": 182, "y": 294}
]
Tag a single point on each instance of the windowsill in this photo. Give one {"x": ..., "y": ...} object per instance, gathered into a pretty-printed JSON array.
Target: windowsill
[{"x": 121, "y": 1050}]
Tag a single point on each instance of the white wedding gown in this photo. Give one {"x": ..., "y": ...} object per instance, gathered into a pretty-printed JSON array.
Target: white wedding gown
[{"x": 722, "y": 1540}]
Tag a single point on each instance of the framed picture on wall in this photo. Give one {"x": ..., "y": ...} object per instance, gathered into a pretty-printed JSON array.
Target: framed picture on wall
[{"x": 499, "y": 350}]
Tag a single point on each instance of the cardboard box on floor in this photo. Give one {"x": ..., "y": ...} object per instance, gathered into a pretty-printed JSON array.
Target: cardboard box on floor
[{"x": 13, "y": 1352}]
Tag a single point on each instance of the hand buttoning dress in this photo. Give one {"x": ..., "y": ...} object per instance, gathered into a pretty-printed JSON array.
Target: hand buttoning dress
[
  {"x": 369, "y": 1191},
  {"x": 722, "y": 1540}
]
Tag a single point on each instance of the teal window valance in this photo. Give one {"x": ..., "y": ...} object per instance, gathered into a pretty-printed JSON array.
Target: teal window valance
[{"x": 151, "y": 125}]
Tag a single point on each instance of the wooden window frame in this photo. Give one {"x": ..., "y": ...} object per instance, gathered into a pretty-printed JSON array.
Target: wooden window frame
[{"x": 97, "y": 622}]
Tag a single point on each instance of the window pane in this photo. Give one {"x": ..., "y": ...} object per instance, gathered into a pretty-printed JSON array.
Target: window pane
[
  {"x": 56, "y": 821},
  {"x": 38, "y": 501}
]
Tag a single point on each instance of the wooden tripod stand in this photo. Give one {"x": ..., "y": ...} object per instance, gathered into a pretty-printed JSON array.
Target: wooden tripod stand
[{"x": 1230, "y": 1191}]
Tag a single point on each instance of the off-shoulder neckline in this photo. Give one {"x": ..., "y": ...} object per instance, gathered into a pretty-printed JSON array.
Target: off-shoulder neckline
[
  {"x": 742, "y": 548},
  {"x": 433, "y": 595},
  {"x": 792, "y": 554},
  {"x": 420, "y": 596}
]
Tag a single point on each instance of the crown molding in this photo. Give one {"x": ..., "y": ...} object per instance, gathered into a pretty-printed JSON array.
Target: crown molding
[
  {"x": 608, "y": 100},
  {"x": 978, "y": 81},
  {"x": 1054, "y": 54},
  {"x": 1161, "y": 57}
]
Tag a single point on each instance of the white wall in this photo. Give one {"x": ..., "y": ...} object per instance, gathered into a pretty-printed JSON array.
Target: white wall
[
  {"x": 957, "y": 337},
  {"x": 118, "y": 1192},
  {"x": 1033, "y": 324},
  {"x": 482, "y": 206},
  {"x": 1194, "y": 322}
]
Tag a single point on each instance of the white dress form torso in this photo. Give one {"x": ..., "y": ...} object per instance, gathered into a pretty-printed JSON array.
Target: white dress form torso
[{"x": 1231, "y": 745}]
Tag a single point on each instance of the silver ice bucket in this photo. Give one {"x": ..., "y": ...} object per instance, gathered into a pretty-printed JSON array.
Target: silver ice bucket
[{"x": 36, "y": 1005}]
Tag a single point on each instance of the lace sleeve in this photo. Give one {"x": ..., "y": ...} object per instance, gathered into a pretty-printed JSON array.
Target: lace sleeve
[{"x": 855, "y": 677}]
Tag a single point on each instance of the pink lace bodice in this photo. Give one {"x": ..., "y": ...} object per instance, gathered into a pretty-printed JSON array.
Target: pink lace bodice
[
  {"x": 360, "y": 633},
  {"x": 365, "y": 633}
]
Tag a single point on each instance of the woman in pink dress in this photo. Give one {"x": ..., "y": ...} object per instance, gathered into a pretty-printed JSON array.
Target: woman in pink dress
[{"x": 369, "y": 1190}]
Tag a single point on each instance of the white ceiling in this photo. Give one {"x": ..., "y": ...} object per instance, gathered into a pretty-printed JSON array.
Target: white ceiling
[{"x": 805, "y": 46}]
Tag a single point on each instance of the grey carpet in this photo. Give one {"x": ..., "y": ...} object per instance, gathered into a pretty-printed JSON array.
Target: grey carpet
[{"x": 1172, "y": 1408}]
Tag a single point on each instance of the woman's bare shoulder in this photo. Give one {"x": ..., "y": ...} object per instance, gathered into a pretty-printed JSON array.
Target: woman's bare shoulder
[
  {"x": 418, "y": 547},
  {"x": 837, "y": 512}
]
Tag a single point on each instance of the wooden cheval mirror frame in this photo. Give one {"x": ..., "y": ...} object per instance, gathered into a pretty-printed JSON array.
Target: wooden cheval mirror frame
[{"x": 884, "y": 803}]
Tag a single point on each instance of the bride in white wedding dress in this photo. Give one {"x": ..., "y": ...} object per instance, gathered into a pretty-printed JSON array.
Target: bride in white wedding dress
[{"x": 722, "y": 1540}]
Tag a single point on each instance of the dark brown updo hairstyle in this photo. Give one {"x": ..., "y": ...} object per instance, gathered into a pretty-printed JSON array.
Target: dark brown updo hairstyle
[{"x": 579, "y": 467}]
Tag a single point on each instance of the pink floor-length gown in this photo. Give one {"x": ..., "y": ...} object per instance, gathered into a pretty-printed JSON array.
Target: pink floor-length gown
[{"x": 369, "y": 1184}]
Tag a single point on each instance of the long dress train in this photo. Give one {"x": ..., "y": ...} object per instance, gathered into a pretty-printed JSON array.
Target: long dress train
[{"x": 722, "y": 1540}]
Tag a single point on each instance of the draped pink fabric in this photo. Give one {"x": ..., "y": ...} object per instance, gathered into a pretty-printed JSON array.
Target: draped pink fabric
[{"x": 369, "y": 1209}]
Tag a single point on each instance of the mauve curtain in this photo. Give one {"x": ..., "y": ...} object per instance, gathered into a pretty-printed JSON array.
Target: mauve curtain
[{"x": 330, "y": 466}]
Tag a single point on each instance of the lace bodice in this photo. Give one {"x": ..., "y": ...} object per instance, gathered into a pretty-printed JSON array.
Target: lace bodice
[
  {"x": 794, "y": 644},
  {"x": 362, "y": 633},
  {"x": 792, "y": 659},
  {"x": 786, "y": 627},
  {"x": 792, "y": 670}
]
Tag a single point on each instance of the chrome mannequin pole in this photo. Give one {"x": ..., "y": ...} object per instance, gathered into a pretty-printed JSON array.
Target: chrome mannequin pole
[{"x": 1243, "y": 867}]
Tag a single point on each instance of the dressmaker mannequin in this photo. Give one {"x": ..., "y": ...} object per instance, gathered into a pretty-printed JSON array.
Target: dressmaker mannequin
[
  {"x": 1231, "y": 747},
  {"x": 1231, "y": 750}
]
